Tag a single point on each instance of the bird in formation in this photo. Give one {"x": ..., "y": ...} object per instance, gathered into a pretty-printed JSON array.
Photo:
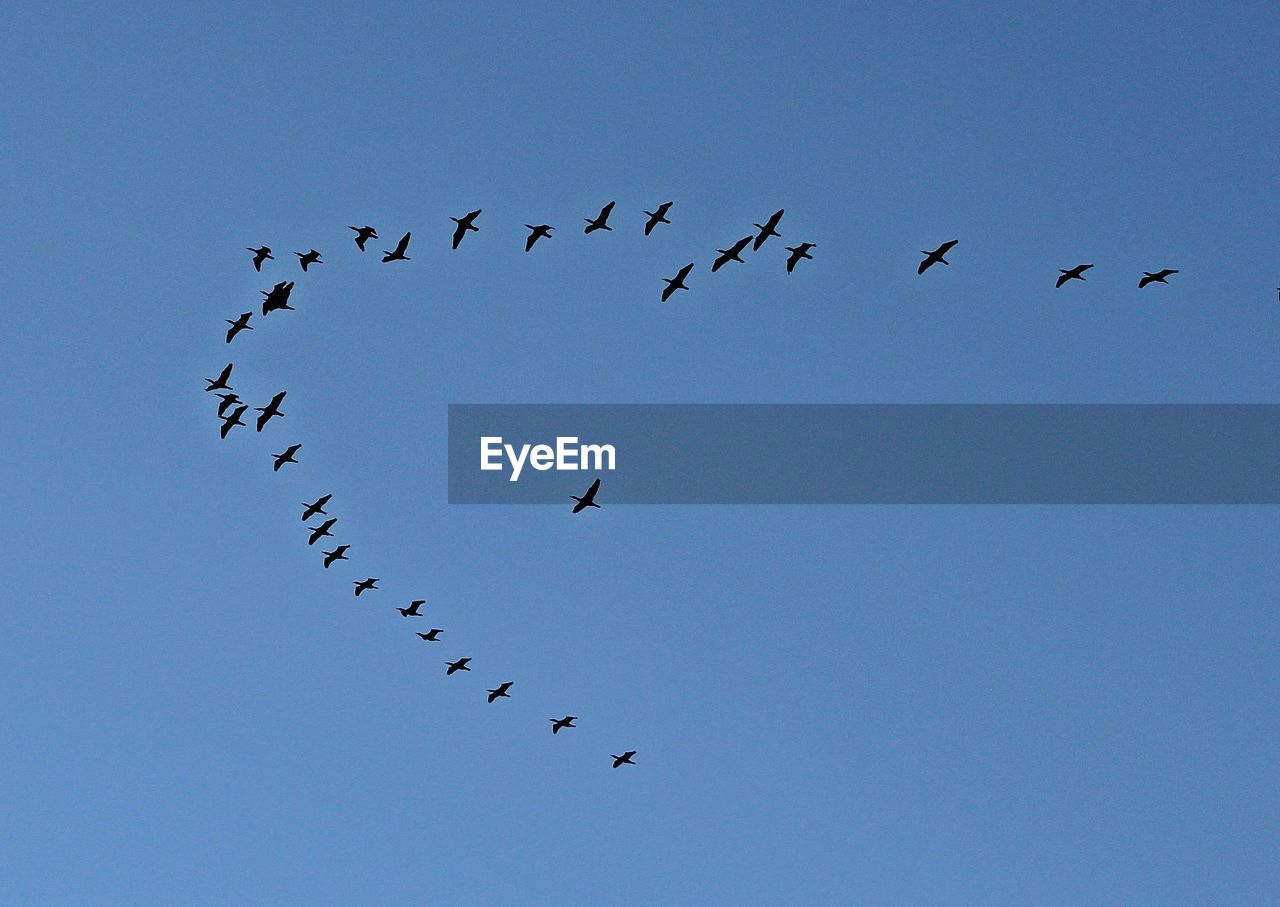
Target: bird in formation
[
  {"x": 1076, "y": 273},
  {"x": 733, "y": 253},
  {"x": 229, "y": 422},
  {"x": 767, "y": 229},
  {"x": 432, "y": 635},
  {"x": 677, "y": 282},
  {"x": 536, "y": 233},
  {"x": 364, "y": 234},
  {"x": 319, "y": 532},
  {"x": 501, "y": 691},
  {"x": 936, "y": 256},
  {"x": 270, "y": 411},
  {"x": 310, "y": 257},
  {"x": 588, "y": 499},
  {"x": 464, "y": 224},
  {"x": 238, "y": 325},
  {"x": 398, "y": 253},
  {"x": 286, "y": 457},
  {"x": 600, "y": 221},
  {"x": 624, "y": 759},
  {"x": 277, "y": 297},
  {"x": 228, "y": 400},
  {"x": 261, "y": 254},
  {"x": 1157, "y": 277},
  {"x": 363, "y": 585},
  {"x": 797, "y": 253},
  {"x": 337, "y": 554},
  {"x": 412, "y": 610},
  {"x": 220, "y": 383},
  {"x": 459, "y": 665},
  {"x": 559, "y": 724},
  {"x": 657, "y": 217},
  {"x": 315, "y": 508}
]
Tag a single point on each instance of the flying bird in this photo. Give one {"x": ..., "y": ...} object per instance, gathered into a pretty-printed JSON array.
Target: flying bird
[
  {"x": 1076, "y": 273},
  {"x": 465, "y": 224},
  {"x": 311, "y": 257},
  {"x": 536, "y": 233},
  {"x": 316, "y": 508},
  {"x": 364, "y": 234},
  {"x": 227, "y": 401},
  {"x": 733, "y": 253},
  {"x": 601, "y": 221},
  {"x": 364, "y": 584},
  {"x": 277, "y": 297},
  {"x": 932, "y": 258},
  {"x": 797, "y": 253},
  {"x": 319, "y": 532},
  {"x": 398, "y": 254},
  {"x": 270, "y": 411},
  {"x": 557, "y": 724},
  {"x": 767, "y": 229},
  {"x": 220, "y": 383},
  {"x": 228, "y": 422},
  {"x": 588, "y": 499},
  {"x": 260, "y": 255},
  {"x": 238, "y": 325},
  {"x": 501, "y": 691},
  {"x": 1157, "y": 277},
  {"x": 624, "y": 759},
  {"x": 337, "y": 554},
  {"x": 459, "y": 665},
  {"x": 657, "y": 217},
  {"x": 412, "y": 610},
  {"x": 286, "y": 457},
  {"x": 432, "y": 635},
  {"x": 677, "y": 282}
]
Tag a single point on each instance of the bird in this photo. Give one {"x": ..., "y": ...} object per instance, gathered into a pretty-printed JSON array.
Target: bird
[
  {"x": 364, "y": 234},
  {"x": 733, "y": 253},
  {"x": 316, "y": 508},
  {"x": 319, "y": 532},
  {"x": 501, "y": 691},
  {"x": 286, "y": 457},
  {"x": 624, "y": 759},
  {"x": 337, "y": 554},
  {"x": 459, "y": 665},
  {"x": 227, "y": 401},
  {"x": 363, "y": 584},
  {"x": 1076, "y": 273},
  {"x": 269, "y": 411},
  {"x": 238, "y": 325},
  {"x": 677, "y": 282},
  {"x": 767, "y": 229},
  {"x": 464, "y": 224},
  {"x": 537, "y": 233},
  {"x": 601, "y": 221},
  {"x": 559, "y": 723},
  {"x": 588, "y": 499},
  {"x": 311, "y": 257},
  {"x": 261, "y": 254},
  {"x": 277, "y": 297},
  {"x": 228, "y": 422},
  {"x": 657, "y": 217},
  {"x": 432, "y": 635},
  {"x": 412, "y": 610},
  {"x": 220, "y": 383},
  {"x": 1157, "y": 277},
  {"x": 932, "y": 258},
  {"x": 398, "y": 254},
  {"x": 797, "y": 253}
]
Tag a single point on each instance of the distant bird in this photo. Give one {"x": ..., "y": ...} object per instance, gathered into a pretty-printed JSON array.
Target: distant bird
[
  {"x": 558, "y": 724},
  {"x": 228, "y": 422},
  {"x": 1076, "y": 273},
  {"x": 315, "y": 508},
  {"x": 677, "y": 282},
  {"x": 337, "y": 554},
  {"x": 767, "y": 229},
  {"x": 1157, "y": 277},
  {"x": 240, "y": 324},
  {"x": 657, "y": 217},
  {"x": 277, "y": 297},
  {"x": 286, "y": 457},
  {"x": 227, "y": 401},
  {"x": 537, "y": 233},
  {"x": 459, "y": 665},
  {"x": 311, "y": 257},
  {"x": 270, "y": 411},
  {"x": 601, "y": 221},
  {"x": 260, "y": 255},
  {"x": 501, "y": 691},
  {"x": 365, "y": 584},
  {"x": 220, "y": 383},
  {"x": 624, "y": 759},
  {"x": 465, "y": 224},
  {"x": 797, "y": 253},
  {"x": 932, "y": 258},
  {"x": 319, "y": 532},
  {"x": 412, "y": 610},
  {"x": 364, "y": 234},
  {"x": 588, "y": 499},
  {"x": 432, "y": 635},
  {"x": 733, "y": 253},
  {"x": 398, "y": 254}
]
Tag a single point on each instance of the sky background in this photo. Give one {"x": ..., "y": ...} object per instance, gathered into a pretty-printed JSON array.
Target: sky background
[{"x": 874, "y": 705}]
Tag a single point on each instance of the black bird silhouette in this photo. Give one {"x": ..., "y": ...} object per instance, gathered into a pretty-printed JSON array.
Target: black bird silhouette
[
  {"x": 624, "y": 759},
  {"x": 657, "y": 217},
  {"x": 465, "y": 224},
  {"x": 932, "y": 258},
  {"x": 270, "y": 411},
  {"x": 1076, "y": 273},
  {"x": 1157, "y": 277},
  {"x": 337, "y": 554},
  {"x": 277, "y": 297},
  {"x": 260, "y": 255},
  {"x": 557, "y": 724},
  {"x": 220, "y": 383},
  {"x": 286, "y": 457},
  {"x": 364, "y": 234},
  {"x": 588, "y": 499},
  {"x": 412, "y": 610},
  {"x": 228, "y": 422},
  {"x": 459, "y": 665},
  {"x": 311, "y": 257},
  {"x": 240, "y": 324},
  {"x": 316, "y": 508},
  {"x": 364, "y": 584},
  {"x": 432, "y": 635},
  {"x": 537, "y": 233},
  {"x": 227, "y": 401},
  {"x": 319, "y": 532},
  {"x": 797, "y": 253},
  {"x": 767, "y": 229},
  {"x": 501, "y": 691},
  {"x": 677, "y": 282},
  {"x": 398, "y": 254},
  {"x": 601, "y": 221},
  {"x": 733, "y": 253}
]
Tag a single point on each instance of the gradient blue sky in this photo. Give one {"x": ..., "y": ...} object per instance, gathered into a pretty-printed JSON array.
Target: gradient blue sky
[{"x": 871, "y": 705}]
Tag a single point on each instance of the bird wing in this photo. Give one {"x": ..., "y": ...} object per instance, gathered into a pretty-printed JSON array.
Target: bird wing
[
  {"x": 946, "y": 247},
  {"x": 459, "y": 233},
  {"x": 591, "y": 492},
  {"x": 606, "y": 210}
]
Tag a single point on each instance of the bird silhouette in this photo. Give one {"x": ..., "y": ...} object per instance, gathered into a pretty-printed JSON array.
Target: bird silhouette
[
  {"x": 624, "y": 759},
  {"x": 459, "y": 665},
  {"x": 315, "y": 508},
  {"x": 319, "y": 532},
  {"x": 677, "y": 282},
  {"x": 337, "y": 554},
  {"x": 270, "y": 411},
  {"x": 229, "y": 422},
  {"x": 1076, "y": 273},
  {"x": 588, "y": 499},
  {"x": 227, "y": 401},
  {"x": 364, "y": 234},
  {"x": 261, "y": 254},
  {"x": 733, "y": 253},
  {"x": 398, "y": 254},
  {"x": 412, "y": 610},
  {"x": 558, "y": 724},
  {"x": 464, "y": 224},
  {"x": 286, "y": 457},
  {"x": 432, "y": 635},
  {"x": 363, "y": 585},
  {"x": 1157, "y": 277},
  {"x": 601, "y": 220},
  {"x": 240, "y": 324},
  {"x": 311, "y": 257},
  {"x": 657, "y": 217},
  {"x": 934, "y": 257},
  {"x": 501, "y": 691},
  {"x": 220, "y": 383},
  {"x": 536, "y": 233},
  {"x": 767, "y": 229},
  {"x": 797, "y": 253},
  {"x": 277, "y": 297}
]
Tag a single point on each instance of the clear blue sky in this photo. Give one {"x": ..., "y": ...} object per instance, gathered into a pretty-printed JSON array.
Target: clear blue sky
[{"x": 869, "y": 705}]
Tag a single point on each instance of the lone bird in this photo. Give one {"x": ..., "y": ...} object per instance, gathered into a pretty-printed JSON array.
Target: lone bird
[
  {"x": 932, "y": 258},
  {"x": 315, "y": 508},
  {"x": 398, "y": 254},
  {"x": 558, "y": 723},
  {"x": 310, "y": 257},
  {"x": 588, "y": 499},
  {"x": 240, "y": 324},
  {"x": 501, "y": 691},
  {"x": 797, "y": 253},
  {"x": 1076, "y": 273},
  {"x": 465, "y": 224},
  {"x": 364, "y": 234},
  {"x": 677, "y": 282},
  {"x": 412, "y": 610},
  {"x": 220, "y": 383},
  {"x": 286, "y": 457},
  {"x": 432, "y": 635},
  {"x": 277, "y": 297},
  {"x": 657, "y": 217},
  {"x": 260, "y": 254},
  {"x": 363, "y": 584},
  {"x": 536, "y": 233},
  {"x": 1157, "y": 277},
  {"x": 227, "y": 401},
  {"x": 319, "y": 532},
  {"x": 459, "y": 665},
  {"x": 767, "y": 229},
  {"x": 624, "y": 759},
  {"x": 601, "y": 221},
  {"x": 228, "y": 422},
  {"x": 733, "y": 253},
  {"x": 270, "y": 411},
  {"x": 337, "y": 554}
]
